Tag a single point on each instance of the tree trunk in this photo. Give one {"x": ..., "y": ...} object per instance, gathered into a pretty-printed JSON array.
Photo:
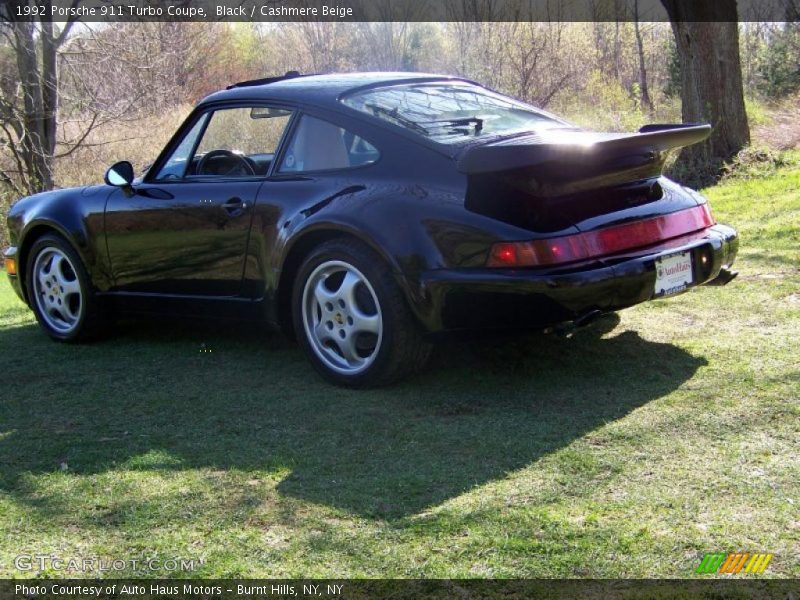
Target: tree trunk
[
  {"x": 707, "y": 39},
  {"x": 617, "y": 50},
  {"x": 49, "y": 85},
  {"x": 647, "y": 102},
  {"x": 34, "y": 143}
]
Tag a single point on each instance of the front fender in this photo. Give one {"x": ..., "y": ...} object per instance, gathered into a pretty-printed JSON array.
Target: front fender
[{"x": 77, "y": 215}]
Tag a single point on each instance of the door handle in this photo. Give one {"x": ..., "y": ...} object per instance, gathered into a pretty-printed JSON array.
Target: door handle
[{"x": 234, "y": 206}]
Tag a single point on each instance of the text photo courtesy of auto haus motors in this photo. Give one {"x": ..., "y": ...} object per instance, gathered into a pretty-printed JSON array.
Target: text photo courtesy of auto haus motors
[{"x": 399, "y": 300}]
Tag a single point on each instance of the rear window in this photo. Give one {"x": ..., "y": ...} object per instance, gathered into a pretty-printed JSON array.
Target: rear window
[{"x": 450, "y": 113}]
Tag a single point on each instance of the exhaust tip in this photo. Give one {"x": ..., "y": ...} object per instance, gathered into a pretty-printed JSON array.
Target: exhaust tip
[
  {"x": 587, "y": 318},
  {"x": 567, "y": 328},
  {"x": 724, "y": 278}
]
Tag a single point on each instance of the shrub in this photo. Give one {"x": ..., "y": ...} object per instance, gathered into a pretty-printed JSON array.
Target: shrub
[{"x": 756, "y": 162}]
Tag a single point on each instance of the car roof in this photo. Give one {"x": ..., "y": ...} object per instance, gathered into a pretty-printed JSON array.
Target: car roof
[{"x": 319, "y": 89}]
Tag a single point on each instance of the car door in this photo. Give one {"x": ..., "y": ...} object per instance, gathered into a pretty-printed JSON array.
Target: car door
[
  {"x": 184, "y": 230},
  {"x": 320, "y": 161}
]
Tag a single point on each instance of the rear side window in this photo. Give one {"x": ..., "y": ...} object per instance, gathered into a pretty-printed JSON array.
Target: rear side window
[{"x": 318, "y": 145}]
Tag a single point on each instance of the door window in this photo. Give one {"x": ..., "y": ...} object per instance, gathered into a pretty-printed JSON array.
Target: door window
[
  {"x": 175, "y": 166},
  {"x": 235, "y": 142}
]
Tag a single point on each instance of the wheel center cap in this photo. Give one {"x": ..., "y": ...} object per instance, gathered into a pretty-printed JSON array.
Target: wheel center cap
[{"x": 339, "y": 318}]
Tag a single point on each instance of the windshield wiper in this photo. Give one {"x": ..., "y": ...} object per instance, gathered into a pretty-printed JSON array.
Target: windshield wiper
[
  {"x": 477, "y": 121},
  {"x": 425, "y": 127},
  {"x": 395, "y": 115}
]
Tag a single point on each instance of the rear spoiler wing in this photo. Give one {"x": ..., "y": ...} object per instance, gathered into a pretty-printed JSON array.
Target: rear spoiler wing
[{"x": 559, "y": 162}]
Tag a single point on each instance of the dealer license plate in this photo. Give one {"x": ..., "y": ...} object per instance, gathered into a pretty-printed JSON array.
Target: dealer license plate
[{"x": 673, "y": 274}]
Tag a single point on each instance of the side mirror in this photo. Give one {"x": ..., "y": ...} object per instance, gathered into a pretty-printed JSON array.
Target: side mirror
[{"x": 120, "y": 174}]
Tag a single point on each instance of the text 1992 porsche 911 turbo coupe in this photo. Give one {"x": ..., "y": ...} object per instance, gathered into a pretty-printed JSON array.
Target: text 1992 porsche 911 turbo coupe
[{"x": 366, "y": 213}]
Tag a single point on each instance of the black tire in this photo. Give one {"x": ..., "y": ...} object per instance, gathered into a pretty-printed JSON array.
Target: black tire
[
  {"x": 399, "y": 350},
  {"x": 88, "y": 321}
]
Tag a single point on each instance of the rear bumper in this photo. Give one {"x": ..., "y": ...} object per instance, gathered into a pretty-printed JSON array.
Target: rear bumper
[{"x": 453, "y": 299}]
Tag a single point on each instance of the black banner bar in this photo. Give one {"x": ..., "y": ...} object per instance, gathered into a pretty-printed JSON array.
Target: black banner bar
[
  {"x": 375, "y": 10},
  {"x": 472, "y": 589}
]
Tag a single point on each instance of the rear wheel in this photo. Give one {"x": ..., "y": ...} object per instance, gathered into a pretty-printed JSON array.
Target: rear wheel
[
  {"x": 60, "y": 290},
  {"x": 352, "y": 319}
]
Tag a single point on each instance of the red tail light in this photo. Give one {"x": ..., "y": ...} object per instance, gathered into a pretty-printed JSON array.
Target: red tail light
[
  {"x": 591, "y": 244},
  {"x": 504, "y": 255}
]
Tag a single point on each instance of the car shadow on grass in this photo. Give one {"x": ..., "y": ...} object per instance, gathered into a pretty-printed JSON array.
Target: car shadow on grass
[{"x": 213, "y": 397}]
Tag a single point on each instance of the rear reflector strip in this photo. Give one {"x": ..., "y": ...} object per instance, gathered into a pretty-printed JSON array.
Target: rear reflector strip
[{"x": 602, "y": 242}]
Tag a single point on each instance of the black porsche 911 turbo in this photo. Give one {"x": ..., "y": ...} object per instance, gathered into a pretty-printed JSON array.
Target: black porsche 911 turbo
[{"x": 368, "y": 212}]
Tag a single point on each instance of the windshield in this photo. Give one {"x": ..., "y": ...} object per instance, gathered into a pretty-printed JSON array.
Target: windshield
[{"x": 450, "y": 113}]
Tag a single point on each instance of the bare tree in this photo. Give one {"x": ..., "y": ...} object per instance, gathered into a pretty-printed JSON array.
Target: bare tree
[
  {"x": 148, "y": 66},
  {"x": 383, "y": 45},
  {"x": 534, "y": 58},
  {"x": 326, "y": 44},
  {"x": 58, "y": 88},
  {"x": 28, "y": 109}
]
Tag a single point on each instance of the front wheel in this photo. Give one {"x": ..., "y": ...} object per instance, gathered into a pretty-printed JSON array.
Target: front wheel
[
  {"x": 351, "y": 317},
  {"x": 60, "y": 290}
]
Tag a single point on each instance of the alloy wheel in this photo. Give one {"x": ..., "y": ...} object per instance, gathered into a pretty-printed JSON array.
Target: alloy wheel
[
  {"x": 342, "y": 317},
  {"x": 57, "y": 290}
]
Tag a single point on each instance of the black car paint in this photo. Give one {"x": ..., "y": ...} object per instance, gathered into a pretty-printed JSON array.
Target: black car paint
[{"x": 174, "y": 246}]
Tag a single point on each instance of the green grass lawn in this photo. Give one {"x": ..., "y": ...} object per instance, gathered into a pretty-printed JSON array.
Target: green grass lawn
[{"x": 628, "y": 453}]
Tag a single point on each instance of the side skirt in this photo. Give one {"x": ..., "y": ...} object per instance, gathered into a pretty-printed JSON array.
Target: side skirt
[{"x": 202, "y": 307}]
